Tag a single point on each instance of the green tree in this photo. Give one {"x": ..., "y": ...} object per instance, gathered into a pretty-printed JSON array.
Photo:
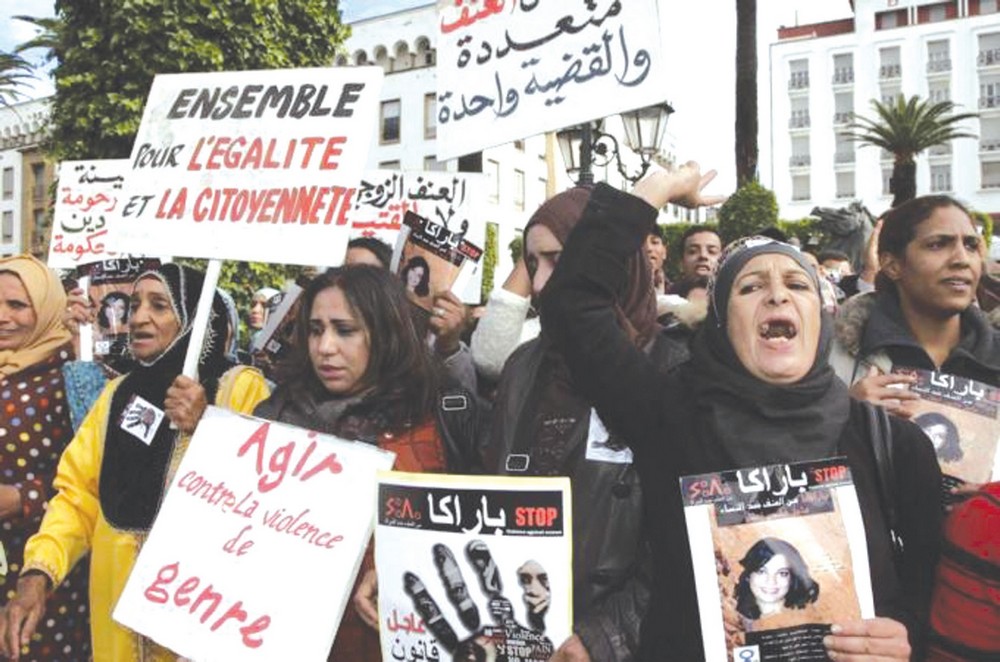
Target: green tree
[
  {"x": 905, "y": 128},
  {"x": 750, "y": 209},
  {"x": 14, "y": 74},
  {"x": 746, "y": 91},
  {"x": 108, "y": 53}
]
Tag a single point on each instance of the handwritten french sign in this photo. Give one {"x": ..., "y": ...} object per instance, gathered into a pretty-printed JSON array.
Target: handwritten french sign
[
  {"x": 257, "y": 515},
  {"x": 508, "y": 69},
  {"x": 250, "y": 165},
  {"x": 89, "y": 200}
]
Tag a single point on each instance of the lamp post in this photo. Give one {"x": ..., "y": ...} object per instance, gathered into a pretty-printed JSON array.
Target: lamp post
[{"x": 587, "y": 144}]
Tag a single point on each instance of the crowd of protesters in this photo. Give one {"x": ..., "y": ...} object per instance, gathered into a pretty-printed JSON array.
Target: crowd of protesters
[{"x": 588, "y": 363}]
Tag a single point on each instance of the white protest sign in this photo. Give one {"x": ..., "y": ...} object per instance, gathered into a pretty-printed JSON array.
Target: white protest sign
[
  {"x": 512, "y": 69},
  {"x": 250, "y": 165},
  {"x": 259, "y": 519},
  {"x": 89, "y": 201}
]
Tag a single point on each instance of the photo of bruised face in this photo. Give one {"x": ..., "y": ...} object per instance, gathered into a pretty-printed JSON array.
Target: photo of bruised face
[{"x": 534, "y": 581}]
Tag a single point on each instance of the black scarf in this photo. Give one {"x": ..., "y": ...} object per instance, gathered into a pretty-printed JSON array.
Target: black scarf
[
  {"x": 758, "y": 423},
  {"x": 132, "y": 473}
]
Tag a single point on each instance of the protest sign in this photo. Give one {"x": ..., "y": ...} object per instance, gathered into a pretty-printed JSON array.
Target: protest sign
[
  {"x": 89, "y": 202},
  {"x": 962, "y": 419},
  {"x": 473, "y": 567},
  {"x": 779, "y": 554},
  {"x": 250, "y": 165},
  {"x": 509, "y": 70},
  {"x": 430, "y": 259},
  {"x": 257, "y": 543}
]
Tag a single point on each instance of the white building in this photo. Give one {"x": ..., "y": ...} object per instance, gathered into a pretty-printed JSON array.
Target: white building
[
  {"x": 24, "y": 176},
  {"x": 821, "y": 73}
]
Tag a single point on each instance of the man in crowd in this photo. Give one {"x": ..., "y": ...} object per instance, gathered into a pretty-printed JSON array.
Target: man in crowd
[
  {"x": 656, "y": 251},
  {"x": 700, "y": 248}
]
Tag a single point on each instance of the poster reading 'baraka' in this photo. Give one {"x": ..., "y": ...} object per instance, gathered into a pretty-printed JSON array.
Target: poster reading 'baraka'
[
  {"x": 473, "y": 568},
  {"x": 255, "y": 549},
  {"x": 250, "y": 165},
  {"x": 509, "y": 69},
  {"x": 779, "y": 554},
  {"x": 431, "y": 259},
  {"x": 90, "y": 196}
]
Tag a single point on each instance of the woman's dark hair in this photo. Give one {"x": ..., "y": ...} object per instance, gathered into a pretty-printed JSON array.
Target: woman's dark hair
[
  {"x": 951, "y": 449},
  {"x": 683, "y": 288},
  {"x": 401, "y": 380},
  {"x": 899, "y": 227},
  {"x": 423, "y": 288},
  {"x": 802, "y": 588},
  {"x": 111, "y": 297},
  {"x": 381, "y": 250}
]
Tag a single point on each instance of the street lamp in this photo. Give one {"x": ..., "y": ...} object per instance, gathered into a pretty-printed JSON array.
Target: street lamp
[{"x": 644, "y": 132}]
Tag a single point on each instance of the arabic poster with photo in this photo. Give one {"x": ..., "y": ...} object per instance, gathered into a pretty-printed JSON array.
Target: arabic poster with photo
[
  {"x": 962, "y": 419},
  {"x": 89, "y": 200},
  {"x": 509, "y": 69},
  {"x": 431, "y": 259},
  {"x": 257, "y": 515},
  {"x": 250, "y": 165},
  {"x": 473, "y": 567},
  {"x": 453, "y": 200},
  {"x": 779, "y": 554}
]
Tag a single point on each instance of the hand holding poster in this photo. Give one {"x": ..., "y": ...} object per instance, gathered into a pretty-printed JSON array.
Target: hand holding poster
[
  {"x": 257, "y": 516},
  {"x": 779, "y": 554},
  {"x": 509, "y": 70},
  {"x": 89, "y": 202},
  {"x": 431, "y": 259},
  {"x": 486, "y": 572}
]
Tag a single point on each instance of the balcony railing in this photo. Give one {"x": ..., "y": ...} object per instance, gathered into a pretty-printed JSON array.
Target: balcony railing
[
  {"x": 992, "y": 101},
  {"x": 943, "y": 64},
  {"x": 987, "y": 183},
  {"x": 843, "y": 76},
  {"x": 798, "y": 121},
  {"x": 843, "y": 157},
  {"x": 988, "y": 57},
  {"x": 799, "y": 80},
  {"x": 940, "y": 150},
  {"x": 799, "y": 160},
  {"x": 845, "y": 194},
  {"x": 890, "y": 71},
  {"x": 989, "y": 145},
  {"x": 800, "y": 196},
  {"x": 843, "y": 117}
]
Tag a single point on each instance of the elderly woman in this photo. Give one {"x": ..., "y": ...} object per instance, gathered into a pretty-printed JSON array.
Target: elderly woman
[
  {"x": 111, "y": 477},
  {"x": 757, "y": 390},
  {"x": 35, "y": 428},
  {"x": 361, "y": 370}
]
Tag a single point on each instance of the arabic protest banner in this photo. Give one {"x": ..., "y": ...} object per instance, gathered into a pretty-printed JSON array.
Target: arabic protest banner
[
  {"x": 256, "y": 514},
  {"x": 89, "y": 201},
  {"x": 473, "y": 567},
  {"x": 250, "y": 165},
  {"x": 962, "y": 418},
  {"x": 431, "y": 259},
  {"x": 779, "y": 554},
  {"x": 509, "y": 69}
]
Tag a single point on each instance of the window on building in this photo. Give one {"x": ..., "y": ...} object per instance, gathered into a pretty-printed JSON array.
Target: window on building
[
  {"x": 991, "y": 174},
  {"x": 940, "y": 178},
  {"x": 402, "y": 58},
  {"x": 843, "y": 107},
  {"x": 388, "y": 165},
  {"x": 800, "y": 152},
  {"x": 8, "y": 183},
  {"x": 890, "y": 94},
  {"x": 389, "y": 122},
  {"x": 940, "y": 11},
  {"x": 989, "y": 49},
  {"x": 989, "y": 133},
  {"x": 844, "y": 152},
  {"x": 543, "y": 189},
  {"x": 430, "y": 116},
  {"x": 978, "y": 7},
  {"x": 40, "y": 222},
  {"x": 843, "y": 69},
  {"x": 519, "y": 190},
  {"x": 425, "y": 54},
  {"x": 800, "y": 187},
  {"x": 798, "y": 74},
  {"x": 519, "y": 145},
  {"x": 889, "y": 63},
  {"x": 432, "y": 164},
  {"x": 989, "y": 91},
  {"x": 886, "y": 181},
  {"x": 938, "y": 56},
  {"x": 799, "y": 118},
  {"x": 492, "y": 171},
  {"x": 845, "y": 184},
  {"x": 939, "y": 91},
  {"x": 887, "y": 20},
  {"x": 7, "y": 231},
  {"x": 38, "y": 180}
]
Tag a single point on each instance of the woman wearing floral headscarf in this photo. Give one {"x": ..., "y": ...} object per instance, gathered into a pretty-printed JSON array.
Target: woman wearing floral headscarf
[
  {"x": 34, "y": 429},
  {"x": 112, "y": 475}
]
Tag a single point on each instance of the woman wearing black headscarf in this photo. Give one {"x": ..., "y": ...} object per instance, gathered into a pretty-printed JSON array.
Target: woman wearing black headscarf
[
  {"x": 111, "y": 477},
  {"x": 758, "y": 390}
]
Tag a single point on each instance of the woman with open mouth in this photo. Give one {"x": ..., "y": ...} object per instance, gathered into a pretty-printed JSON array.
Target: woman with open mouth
[
  {"x": 758, "y": 390},
  {"x": 112, "y": 475}
]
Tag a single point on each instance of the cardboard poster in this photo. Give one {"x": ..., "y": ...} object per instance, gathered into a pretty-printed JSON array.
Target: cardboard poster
[
  {"x": 250, "y": 165},
  {"x": 431, "y": 259},
  {"x": 509, "y": 70},
  {"x": 257, "y": 515},
  {"x": 779, "y": 554},
  {"x": 473, "y": 567},
  {"x": 89, "y": 200}
]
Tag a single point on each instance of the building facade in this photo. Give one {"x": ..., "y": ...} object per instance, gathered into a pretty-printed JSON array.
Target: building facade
[
  {"x": 25, "y": 179},
  {"x": 821, "y": 74}
]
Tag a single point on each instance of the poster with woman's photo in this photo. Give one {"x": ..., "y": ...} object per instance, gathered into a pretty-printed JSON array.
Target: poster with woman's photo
[
  {"x": 779, "y": 555},
  {"x": 960, "y": 416},
  {"x": 431, "y": 259},
  {"x": 473, "y": 568}
]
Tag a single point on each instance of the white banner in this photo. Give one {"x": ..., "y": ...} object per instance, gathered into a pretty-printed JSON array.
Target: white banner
[
  {"x": 250, "y": 165},
  {"x": 487, "y": 570},
  {"x": 89, "y": 201},
  {"x": 509, "y": 69},
  {"x": 255, "y": 549}
]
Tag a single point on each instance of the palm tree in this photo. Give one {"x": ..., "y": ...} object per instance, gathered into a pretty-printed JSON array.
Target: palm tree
[
  {"x": 14, "y": 73},
  {"x": 905, "y": 128},
  {"x": 48, "y": 36},
  {"x": 746, "y": 91}
]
